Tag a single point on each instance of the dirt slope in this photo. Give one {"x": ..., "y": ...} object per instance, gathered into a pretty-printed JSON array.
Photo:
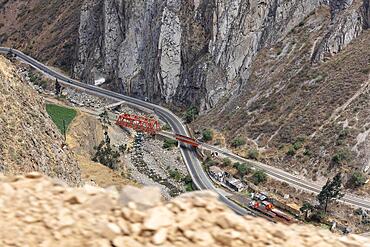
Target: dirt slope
[
  {"x": 47, "y": 30},
  {"x": 321, "y": 109},
  {"x": 29, "y": 140},
  {"x": 36, "y": 211}
]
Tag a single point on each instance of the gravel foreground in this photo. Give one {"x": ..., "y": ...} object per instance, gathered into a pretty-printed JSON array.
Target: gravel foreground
[{"x": 39, "y": 211}]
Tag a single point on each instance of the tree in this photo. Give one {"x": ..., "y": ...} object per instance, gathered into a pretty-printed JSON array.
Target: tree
[
  {"x": 207, "y": 135},
  {"x": 105, "y": 154},
  {"x": 306, "y": 208},
  {"x": 191, "y": 114},
  {"x": 104, "y": 119},
  {"x": 259, "y": 176},
  {"x": 330, "y": 191},
  {"x": 58, "y": 88},
  {"x": 242, "y": 168}
]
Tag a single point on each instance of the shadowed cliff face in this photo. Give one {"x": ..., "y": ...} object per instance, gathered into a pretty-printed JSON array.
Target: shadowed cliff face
[{"x": 197, "y": 52}]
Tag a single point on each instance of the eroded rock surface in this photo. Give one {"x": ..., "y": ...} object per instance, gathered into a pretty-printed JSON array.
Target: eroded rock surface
[
  {"x": 197, "y": 52},
  {"x": 37, "y": 211},
  {"x": 29, "y": 140}
]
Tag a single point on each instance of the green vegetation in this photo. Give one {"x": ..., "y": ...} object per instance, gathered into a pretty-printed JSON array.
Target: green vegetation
[
  {"x": 357, "y": 180},
  {"x": 60, "y": 114},
  {"x": 36, "y": 80},
  {"x": 169, "y": 143},
  {"x": 105, "y": 154},
  {"x": 166, "y": 127},
  {"x": 332, "y": 190},
  {"x": 58, "y": 88},
  {"x": 207, "y": 135},
  {"x": 253, "y": 154},
  {"x": 237, "y": 142},
  {"x": 341, "y": 156},
  {"x": 191, "y": 114},
  {"x": 306, "y": 208},
  {"x": 175, "y": 174},
  {"x": 242, "y": 168},
  {"x": 226, "y": 162},
  {"x": 188, "y": 183},
  {"x": 259, "y": 176},
  {"x": 104, "y": 119},
  {"x": 291, "y": 151},
  {"x": 307, "y": 152}
]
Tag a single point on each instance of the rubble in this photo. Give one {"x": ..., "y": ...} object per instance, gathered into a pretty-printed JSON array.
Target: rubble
[{"x": 37, "y": 211}]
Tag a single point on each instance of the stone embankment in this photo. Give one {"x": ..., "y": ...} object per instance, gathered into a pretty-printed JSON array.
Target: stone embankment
[{"x": 39, "y": 211}]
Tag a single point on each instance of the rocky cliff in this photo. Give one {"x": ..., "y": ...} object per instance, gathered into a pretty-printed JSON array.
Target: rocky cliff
[
  {"x": 29, "y": 140},
  {"x": 181, "y": 52},
  {"x": 196, "y": 52},
  {"x": 37, "y": 211},
  {"x": 305, "y": 104}
]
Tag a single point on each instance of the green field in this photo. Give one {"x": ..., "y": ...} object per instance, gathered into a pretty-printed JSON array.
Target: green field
[{"x": 60, "y": 113}]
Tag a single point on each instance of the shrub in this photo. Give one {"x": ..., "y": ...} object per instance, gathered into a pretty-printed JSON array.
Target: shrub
[
  {"x": 291, "y": 151},
  {"x": 253, "y": 154},
  {"x": 259, "y": 176},
  {"x": 237, "y": 142},
  {"x": 357, "y": 179},
  {"x": 190, "y": 114},
  {"x": 169, "y": 143},
  {"x": 175, "y": 174},
  {"x": 341, "y": 156},
  {"x": 243, "y": 168},
  {"x": 307, "y": 152},
  {"x": 166, "y": 127},
  {"x": 207, "y": 135},
  {"x": 318, "y": 215},
  {"x": 226, "y": 162}
]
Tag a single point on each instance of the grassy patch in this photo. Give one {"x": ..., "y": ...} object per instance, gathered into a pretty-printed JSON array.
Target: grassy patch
[{"x": 60, "y": 113}]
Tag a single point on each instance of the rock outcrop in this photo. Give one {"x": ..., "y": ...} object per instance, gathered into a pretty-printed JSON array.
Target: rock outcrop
[
  {"x": 197, "y": 52},
  {"x": 29, "y": 140},
  {"x": 37, "y": 211}
]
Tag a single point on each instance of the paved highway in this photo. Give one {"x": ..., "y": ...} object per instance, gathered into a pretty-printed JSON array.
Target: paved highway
[
  {"x": 199, "y": 177},
  {"x": 287, "y": 177}
]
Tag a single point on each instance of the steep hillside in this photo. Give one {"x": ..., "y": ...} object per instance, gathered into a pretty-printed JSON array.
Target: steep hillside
[
  {"x": 179, "y": 52},
  {"x": 37, "y": 211},
  {"x": 292, "y": 101},
  {"x": 274, "y": 72},
  {"x": 29, "y": 140},
  {"x": 47, "y": 30}
]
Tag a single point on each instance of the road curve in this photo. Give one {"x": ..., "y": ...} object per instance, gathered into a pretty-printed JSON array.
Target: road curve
[{"x": 199, "y": 177}]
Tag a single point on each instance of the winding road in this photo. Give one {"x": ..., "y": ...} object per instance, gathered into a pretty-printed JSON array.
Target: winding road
[{"x": 200, "y": 178}]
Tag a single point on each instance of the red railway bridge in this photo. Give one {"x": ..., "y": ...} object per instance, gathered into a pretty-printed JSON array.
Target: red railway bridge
[
  {"x": 150, "y": 126},
  {"x": 139, "y": 123}
]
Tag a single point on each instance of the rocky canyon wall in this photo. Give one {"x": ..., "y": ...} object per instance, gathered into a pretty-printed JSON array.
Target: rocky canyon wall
[{"x": 196, "y": 52}]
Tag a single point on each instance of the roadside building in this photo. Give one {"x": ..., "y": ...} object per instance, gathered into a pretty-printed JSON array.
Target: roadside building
[
  {"x": 235, "y": 184},
  {"x": 217, "y": 173}
]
